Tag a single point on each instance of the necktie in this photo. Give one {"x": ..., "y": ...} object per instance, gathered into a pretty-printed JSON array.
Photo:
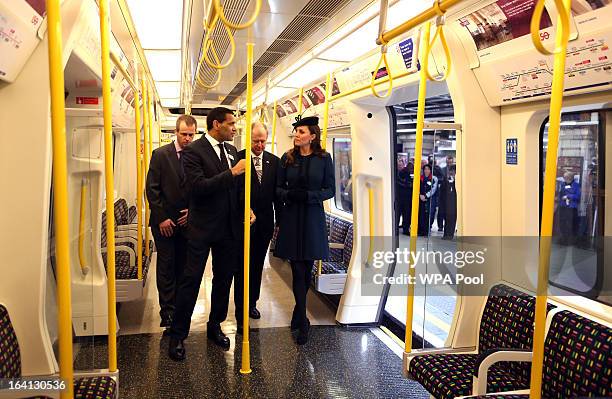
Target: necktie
[
  {"x": 182, "y": 169},
  {"x": 222, "y": 156},
  {"x": 258, "y": 168}
]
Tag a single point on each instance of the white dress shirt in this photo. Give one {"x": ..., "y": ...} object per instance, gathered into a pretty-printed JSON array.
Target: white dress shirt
[{"x": 215, "y": 146}]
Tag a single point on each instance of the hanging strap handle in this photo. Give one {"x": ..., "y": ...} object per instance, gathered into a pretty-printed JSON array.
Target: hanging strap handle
[
  {"x": 226, "y": 22},
  {"x": 562, "y": 21}
]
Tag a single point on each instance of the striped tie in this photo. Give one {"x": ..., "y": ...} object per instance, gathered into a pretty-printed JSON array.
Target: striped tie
[{"x": 258, "y": 168}]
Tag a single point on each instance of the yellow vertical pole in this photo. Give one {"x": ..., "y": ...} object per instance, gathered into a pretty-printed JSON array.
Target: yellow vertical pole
[
  {"x": 139, "y": 184},
  {"x": 246, "y": 352},
  {"x": 82, "y": 214},
  {"x": 548, "y": 204},
  {"x": 370, "y": 222},
  {"x": 108, "y": 176},
  {"x": 273, "y": 128},
  {"x": 328, "y": 91},
  {"x": 300, "y": 101},
  {"x": 151, "y": 119},
  {"x": 145, "y": 156},
  {"x": 60, "y": 193},
  {"x": 418, "y": 154}
]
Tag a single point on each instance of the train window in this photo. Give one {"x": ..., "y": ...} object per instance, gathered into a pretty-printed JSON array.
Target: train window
[
  {"x": 577, "y": 254},
  {"x": 344, "y": 183}
]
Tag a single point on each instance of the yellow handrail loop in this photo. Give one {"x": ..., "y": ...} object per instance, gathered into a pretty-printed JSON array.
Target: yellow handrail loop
[
  {"x": 382, "y": 23},
  {"x": 200, "y": 79},
  {"x": 226, "y": 22},
  {"x": 439, "y": 34},
  {"x": 563, "y": 22},
  {"x": 209, "y": 45}
]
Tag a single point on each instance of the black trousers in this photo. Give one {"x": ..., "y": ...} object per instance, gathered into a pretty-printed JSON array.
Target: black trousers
[
  {"x": 405, "y": 206},
  {"x": 568, "y": 218},
  {"x": 450, "y": 222},
  {"x": 424, "y": 212},
  {"x": 259, "y": 249},
  {"x": 171, "y": 261},
  {"x": 224, "y": 262},
  {"x": 302, "y": 276}
]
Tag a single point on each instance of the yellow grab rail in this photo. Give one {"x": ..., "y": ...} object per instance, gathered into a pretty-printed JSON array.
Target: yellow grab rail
[
  {"x": 208, "y": 44},
  {"x": 139, "y": 185},
  {"x": 440, "y": 33},
  {"x": 246, "y": 353},
  {"x": 151, "y": 119},
  {"x": 426, "y": 15},
  {"x": 548, "y": 205},
  {"x": 108, "y": 177},
  {"x": 382, "y": 23},
  {"x": 562, "y": 23},
  {"x": 251, "y": 21},
  {"x": 273, "y": 128},
  {"x": 124, "y": 73},
  {"x": 145, "y": 156},
  {"x": 60, "y": 194},
  {"x": 328, "y": 91},
  {"x": 82, "y": 260},
  {"x": 418, "y": 154},
  {"x": 301, "y": 101}
]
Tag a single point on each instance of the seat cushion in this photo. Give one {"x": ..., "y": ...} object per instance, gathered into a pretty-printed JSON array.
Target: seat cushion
[
  {"x": 95, "y": 388},
  {"x": 447, "y": 376},
  {"x": 10, "y": 356},
  {"x": 347, "y": 251},
  {"x": 339, "y": 229}
]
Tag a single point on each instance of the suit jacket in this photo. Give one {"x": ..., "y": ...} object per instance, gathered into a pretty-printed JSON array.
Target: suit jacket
[
  {"x": 264, "y": 202},
  {"x": 214, "y": 211},
  {"x": 166, "y": 189}
]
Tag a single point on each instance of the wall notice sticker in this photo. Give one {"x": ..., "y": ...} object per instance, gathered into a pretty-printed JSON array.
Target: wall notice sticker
[
  {"x": 511, "y": 151},
  {"x": 87, "y": 100},
  {"x": 501, "y": 21}
]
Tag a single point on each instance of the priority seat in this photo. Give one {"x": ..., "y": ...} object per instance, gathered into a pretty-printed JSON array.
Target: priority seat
[
  {"x": 334, "y": 270},
  {"x": 506, "y": 325},
  {"x": 577, "y": 361},
  {"x": 91, "y": 387}
]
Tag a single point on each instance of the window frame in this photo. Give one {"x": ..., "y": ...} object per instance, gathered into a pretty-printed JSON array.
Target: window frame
[{"x": 334, "y": 209}]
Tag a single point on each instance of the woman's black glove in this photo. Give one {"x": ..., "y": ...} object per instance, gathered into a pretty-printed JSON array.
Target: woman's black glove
[{"x": 297, "y": 195}]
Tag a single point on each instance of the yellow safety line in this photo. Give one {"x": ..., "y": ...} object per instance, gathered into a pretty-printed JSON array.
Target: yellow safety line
[
  {"x": 82, "y": 260},
  {"x": 219, "y": 10},
  {"x": 418, "y": 154},
  {"x": 394, "y": 337},
  {"x": 145, "y": 155},
  {"x": 108, "y": 176},
  {"x": 548, "y": 200},
  {"x": 246, "y": 353},
  {"x": 273, "y": 129},
  {"x": 60, "y": 194}
]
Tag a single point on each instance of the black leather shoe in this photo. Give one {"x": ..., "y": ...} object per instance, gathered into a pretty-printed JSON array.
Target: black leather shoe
[
  {"x": 176, "y": 350},
  {"x": 166, "y": 321},
  {"x": 254, "y": 313},
  {"x": 217, "y": 336},
  {"x": 302, "y": 337}
]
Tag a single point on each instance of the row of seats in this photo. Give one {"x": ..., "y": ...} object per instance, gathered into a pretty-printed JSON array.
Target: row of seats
[
  {"x": 126, "y": 267},
  {"x": 576, "y": 362},
  {"x": 91, "y": 387}
]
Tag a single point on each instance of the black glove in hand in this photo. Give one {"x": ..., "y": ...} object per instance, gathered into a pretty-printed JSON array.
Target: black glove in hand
[{"x": 297, "y": 195}]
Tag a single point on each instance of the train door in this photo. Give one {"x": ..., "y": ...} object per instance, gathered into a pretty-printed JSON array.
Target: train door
[
  {"x": 434, "y": 305},
  {"x": 578, "y": 255}
]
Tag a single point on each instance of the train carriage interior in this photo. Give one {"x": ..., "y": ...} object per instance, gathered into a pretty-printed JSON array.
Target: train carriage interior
[{"x": 467, "y": 230}]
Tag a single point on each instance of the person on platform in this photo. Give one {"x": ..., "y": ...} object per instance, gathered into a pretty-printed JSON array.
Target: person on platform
[
  {"x": 568, "y": 199},
  {"x": 448, "y": 203}
]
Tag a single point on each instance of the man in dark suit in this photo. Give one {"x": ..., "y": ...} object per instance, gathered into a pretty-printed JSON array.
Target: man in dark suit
[
  {"x": 168, "y": 199},
  {"x": 264, "y": 204},
  {"x": 212, "y": 168}
]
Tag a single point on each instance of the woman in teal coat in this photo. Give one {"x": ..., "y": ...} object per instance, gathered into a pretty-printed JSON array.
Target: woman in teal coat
[{"x": 305, "y": 179}]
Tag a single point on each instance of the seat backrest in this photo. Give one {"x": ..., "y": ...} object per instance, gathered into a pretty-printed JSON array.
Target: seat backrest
[
  {"x": 132, "y": 214},
  {"x": 10, "y": 356},
  {"x": 328, "y": 223},
  {"x": 103, "y": 230},
  {"x": 347, "y": 251},
  {"x": 121, "y": 212},
  {"x": 577, "y": 361},
  {"x": 339, "y": 228}
]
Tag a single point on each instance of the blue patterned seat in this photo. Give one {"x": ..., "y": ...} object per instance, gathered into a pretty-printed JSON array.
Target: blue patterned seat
[
  {"x": 506, "y": 323},
  {"x": 99, "y": 387},
  {"x": 338, "y": 231}
]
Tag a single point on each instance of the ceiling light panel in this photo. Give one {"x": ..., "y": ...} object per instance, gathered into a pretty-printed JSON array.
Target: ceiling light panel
[
  {"x": 170, "y": 102},
  {"x": 164, "y": 64},
  {"x": 168, "y": 89},
  {"x": 310, "y": 71},
  {"x": 346, "y": 50},
  {"x": 158, "y": 22}
]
